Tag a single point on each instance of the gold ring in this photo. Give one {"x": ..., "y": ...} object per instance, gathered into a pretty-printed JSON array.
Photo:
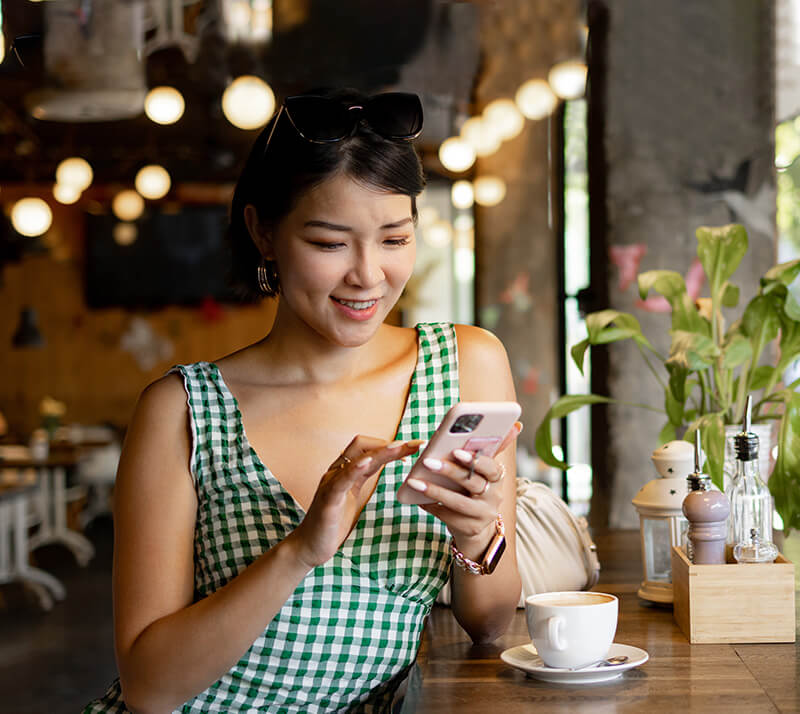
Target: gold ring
[
  {"x": 485, "y": 488},
  {"x": 345, "y": 460}
]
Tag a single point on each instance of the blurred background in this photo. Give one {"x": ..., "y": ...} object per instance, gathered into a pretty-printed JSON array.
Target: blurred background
[{"x": 568, "y": 144}]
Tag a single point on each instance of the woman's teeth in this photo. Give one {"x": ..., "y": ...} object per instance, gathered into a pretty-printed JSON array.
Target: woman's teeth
[{"x": 356, "y": 304}]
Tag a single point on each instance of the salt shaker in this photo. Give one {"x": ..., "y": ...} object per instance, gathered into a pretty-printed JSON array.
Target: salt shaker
[
  {"x": 750, "y": 499},
  {"x": 707, "y": 512},
  {"x": 756, "y": 550}
]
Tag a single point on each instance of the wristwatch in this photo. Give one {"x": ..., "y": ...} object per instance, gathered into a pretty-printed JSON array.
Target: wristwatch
[{"x": 491, "y": 556}]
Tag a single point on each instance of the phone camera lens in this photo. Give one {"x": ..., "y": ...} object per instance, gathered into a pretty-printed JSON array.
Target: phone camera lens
[{"x": 466, "y": 423}]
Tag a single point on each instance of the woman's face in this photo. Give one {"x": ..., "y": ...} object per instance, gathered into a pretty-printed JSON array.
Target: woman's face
[{"x": 344, "y": 255}]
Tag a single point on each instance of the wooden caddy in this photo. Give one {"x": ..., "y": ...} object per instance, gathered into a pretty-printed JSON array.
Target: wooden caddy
[{"x": 735, "y": 602}]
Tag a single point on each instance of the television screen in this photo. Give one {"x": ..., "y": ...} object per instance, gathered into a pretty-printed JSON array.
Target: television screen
[{"x": 176, "y": 259}]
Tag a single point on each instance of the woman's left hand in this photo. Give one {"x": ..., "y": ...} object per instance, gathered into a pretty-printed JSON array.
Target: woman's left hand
[{"x": 470, "y": 517}]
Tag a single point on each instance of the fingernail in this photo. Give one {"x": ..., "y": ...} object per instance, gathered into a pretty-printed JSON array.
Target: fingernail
[
  {"x": 417, "y": 485},
  {"x": 463, "y": 456},
  {"x": 432, "y": 464},
  {"x": 521, "y": 426},
  {"x": 395, "y": 445},
  {"x": 366, "y": 461},
  {"x": 422, "y": 444}
]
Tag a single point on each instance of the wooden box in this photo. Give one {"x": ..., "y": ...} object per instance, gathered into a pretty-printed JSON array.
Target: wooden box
[{"x": 736, "y": 602}]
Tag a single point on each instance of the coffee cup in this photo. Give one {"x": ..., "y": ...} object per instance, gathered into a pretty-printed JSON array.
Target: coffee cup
[{"x": 571, "y": 629}]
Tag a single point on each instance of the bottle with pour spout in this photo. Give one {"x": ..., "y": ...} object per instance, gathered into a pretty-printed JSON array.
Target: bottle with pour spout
[
  {"x": 750, "y": 528},
  {"x": 707, "y": 511}
]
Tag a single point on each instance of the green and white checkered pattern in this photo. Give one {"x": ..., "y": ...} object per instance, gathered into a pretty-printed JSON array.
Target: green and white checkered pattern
[{"x": 355, "y": 622}]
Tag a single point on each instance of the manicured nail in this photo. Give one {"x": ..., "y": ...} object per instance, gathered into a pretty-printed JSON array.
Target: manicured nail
[
  {"x": 395, "y": 445},
  {"x": 433, "y": 464},
  {"x": 366, "y": 461},
  {"x": 417, "y": 485},
  {"x": 465, "y": 457},
  {"x": 521, "y": 426}
]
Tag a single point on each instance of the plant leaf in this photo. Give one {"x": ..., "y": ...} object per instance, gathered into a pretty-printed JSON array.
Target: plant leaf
[
  {"x": 720, "y": 249},
  {"x": 667, "y": 433},
  {"x": 761, "y": 376},
  {"x": 691, "y": 350},
  {"x": 578, "y": 353},
  {"x": 673, "y": 408},
  {"x": 784, "y": 484},
  {"x": 736, "y": 351},
  {"x": 730, "y": 295},
  {"x": 672, "y": 286},
  {"x": 760, "y": 323},
  {"x": 780, "y": 274},
  {"x": 560, "y": 408}
]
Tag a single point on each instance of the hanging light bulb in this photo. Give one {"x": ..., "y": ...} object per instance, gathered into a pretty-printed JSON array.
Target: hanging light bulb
[
  {"x": 489, "y": 190},
  {"x": 31, "y": 217},
  {"x": 75, "y": 171},
  {"x": 568, "y": 79},
  {"x": 535, "y": 99},
  {"x": 164, "y": 105},
  {"x": 504, "y": 117},
  {"x": 456, "y": 154},
  {"x": 461, "y": 194},
  {"x": 127, "y": 205},
  {"x": 125, "y": 233},
  {"x": 66, "y": 193},
  {"x": 248, "y": 102},
  {"x": 152, "y": 182},
  {"x": 479, "y": 135}
]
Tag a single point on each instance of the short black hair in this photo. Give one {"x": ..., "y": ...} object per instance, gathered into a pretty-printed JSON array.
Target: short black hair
[{"x": 275, "y": 181}]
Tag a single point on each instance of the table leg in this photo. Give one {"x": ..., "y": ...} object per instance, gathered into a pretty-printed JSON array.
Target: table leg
[
  {"x": 54, "y": 518},
  {"x": 14, "y": 563}
]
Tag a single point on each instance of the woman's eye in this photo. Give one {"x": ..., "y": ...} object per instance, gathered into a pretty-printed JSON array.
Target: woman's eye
[
  {"x": 404, "y": 240},
  {"x": 327, "y": 246}
]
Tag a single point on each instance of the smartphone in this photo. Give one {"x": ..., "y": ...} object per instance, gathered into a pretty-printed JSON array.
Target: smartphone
[{"x": 479, "y": 427}]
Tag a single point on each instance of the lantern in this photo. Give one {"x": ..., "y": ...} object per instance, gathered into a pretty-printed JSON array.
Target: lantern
[{"x": 661, "y": 520}]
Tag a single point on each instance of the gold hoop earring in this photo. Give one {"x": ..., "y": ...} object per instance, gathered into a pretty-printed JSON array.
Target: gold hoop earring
[{"x": 268, "y": 281}]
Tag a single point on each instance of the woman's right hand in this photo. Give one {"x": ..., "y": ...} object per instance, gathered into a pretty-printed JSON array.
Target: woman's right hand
[{"x": 342, "y": 494}]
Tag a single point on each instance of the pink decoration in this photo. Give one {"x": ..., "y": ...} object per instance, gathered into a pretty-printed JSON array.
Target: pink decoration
[
  {"x": 627, "y": 259},
  {"x": 516, "y": 294},
  {"x": 530, "y": 385}
]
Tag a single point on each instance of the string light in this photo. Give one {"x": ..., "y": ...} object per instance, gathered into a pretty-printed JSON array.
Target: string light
[
  {"x": 76, "y": 172},
  {"x": 164, "y": 105},
  {"x": 153, "y": 182},
  {"x": 31, "y": 217},
  {"x": 456, "y": 154},
  {"x": 248, "y": 102}
]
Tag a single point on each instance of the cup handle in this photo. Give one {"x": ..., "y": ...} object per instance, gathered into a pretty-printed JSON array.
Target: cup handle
[{"x": 554, "y": 627}]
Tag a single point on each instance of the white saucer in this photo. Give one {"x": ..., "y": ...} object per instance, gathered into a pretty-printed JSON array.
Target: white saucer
[{"x": 526, "y": 658}]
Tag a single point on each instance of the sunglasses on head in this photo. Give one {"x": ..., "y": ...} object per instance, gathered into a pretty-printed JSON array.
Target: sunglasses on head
[{"x": 322, "y": 120}]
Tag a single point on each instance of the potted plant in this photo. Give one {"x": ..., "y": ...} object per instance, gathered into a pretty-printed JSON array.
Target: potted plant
[{"x": 710, "y": 370}]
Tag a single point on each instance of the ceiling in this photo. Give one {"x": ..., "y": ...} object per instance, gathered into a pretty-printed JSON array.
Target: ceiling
[{"x": 427, "y": 46}]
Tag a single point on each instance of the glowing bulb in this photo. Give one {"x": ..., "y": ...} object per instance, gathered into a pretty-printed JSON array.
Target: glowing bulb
[
  {"x": 125, "y": 233},
  {"x": 127, "y": 205},
  {"x": 439, "y": 234},
  {"x": 65, "y": 193},
  {"x": 568, "y": 79},
  {"x": 248, "y": 102},
  {"x": 74, "y": 172},
  {"x": 489, "y": 190},
  {"x": 456, "y": 154},
  {"x": 464, "y": 222},
  {"x": 535, "y": 99},
  {"x": 479, "y": 135},
  {"x": 164, "y": 105},
  {"x": 152, "y": 182},
  {"x": 504, "y": 117},
  {"x": 461, "y": 194},
  {"x": 31, "y": 217}
]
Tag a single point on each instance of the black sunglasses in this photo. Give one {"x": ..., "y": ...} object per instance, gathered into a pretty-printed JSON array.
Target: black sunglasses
[{"x": 323, "y": 120}]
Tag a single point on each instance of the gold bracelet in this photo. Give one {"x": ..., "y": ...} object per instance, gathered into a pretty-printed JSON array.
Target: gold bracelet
[{"x": 491, "y": 556}]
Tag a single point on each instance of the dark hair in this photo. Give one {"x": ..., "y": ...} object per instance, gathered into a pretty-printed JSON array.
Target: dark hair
[{"x": 275, "y": 181}]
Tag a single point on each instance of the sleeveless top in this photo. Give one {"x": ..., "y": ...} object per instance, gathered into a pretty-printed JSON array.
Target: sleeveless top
[{"x": 349, "y": 633}]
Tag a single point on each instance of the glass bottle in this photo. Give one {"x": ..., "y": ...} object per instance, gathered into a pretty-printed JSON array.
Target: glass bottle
[
  {"x": 750, "y": 499},
  {"x": 756, "y": 550}
]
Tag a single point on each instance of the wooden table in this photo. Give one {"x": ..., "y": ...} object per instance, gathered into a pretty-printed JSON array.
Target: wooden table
[{"x": 679, "y": 677}]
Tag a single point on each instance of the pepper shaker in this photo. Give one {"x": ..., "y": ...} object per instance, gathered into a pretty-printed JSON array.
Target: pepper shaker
[{"x": 707, "y": 512}]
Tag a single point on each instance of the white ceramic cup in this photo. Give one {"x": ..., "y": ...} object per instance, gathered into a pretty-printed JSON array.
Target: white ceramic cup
[{"x": 571, "y": 629}]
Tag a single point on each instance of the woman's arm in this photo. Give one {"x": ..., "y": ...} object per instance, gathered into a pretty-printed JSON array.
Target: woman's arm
[
  {"x": 482, "y": 604},
  {"x": 168, "y": 648}
]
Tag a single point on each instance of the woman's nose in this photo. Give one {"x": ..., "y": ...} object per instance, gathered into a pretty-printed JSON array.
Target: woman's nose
[{"x": 366, "y": 270}]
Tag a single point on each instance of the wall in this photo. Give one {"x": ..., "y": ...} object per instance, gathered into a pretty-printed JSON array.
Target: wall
[
  {"x": 688, "y": 140},
  {"x": 83, "y": 363}
]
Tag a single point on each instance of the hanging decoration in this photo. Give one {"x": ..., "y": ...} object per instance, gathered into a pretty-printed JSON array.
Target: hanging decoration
[{"x": 146, "y": 346}]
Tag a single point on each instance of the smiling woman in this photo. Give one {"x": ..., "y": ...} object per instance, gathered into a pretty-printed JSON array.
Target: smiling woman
[{"x": 262, "y": 560}]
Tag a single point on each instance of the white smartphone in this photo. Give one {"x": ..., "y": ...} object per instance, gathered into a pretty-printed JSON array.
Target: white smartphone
[{"x": 478, "y": 427}]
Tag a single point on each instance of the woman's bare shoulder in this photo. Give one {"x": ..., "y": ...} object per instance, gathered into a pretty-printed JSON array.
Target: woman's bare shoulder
[{"x": 483, "y": 368}]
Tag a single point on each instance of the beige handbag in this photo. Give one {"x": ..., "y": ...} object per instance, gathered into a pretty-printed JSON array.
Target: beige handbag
[{"x": 555, "y": 551}]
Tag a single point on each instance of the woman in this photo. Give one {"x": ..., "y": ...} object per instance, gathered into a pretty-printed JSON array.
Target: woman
[{"x": 261, "y": 560}]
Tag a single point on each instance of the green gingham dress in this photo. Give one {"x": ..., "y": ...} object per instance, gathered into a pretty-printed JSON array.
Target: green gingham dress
[{"x": 349, "y": 633}]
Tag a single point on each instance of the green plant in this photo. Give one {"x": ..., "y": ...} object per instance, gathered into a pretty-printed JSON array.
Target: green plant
[{"x": 710, "y": 370}]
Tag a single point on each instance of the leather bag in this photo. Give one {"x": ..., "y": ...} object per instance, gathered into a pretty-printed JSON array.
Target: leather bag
[{"x": 555, "y": 551}]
